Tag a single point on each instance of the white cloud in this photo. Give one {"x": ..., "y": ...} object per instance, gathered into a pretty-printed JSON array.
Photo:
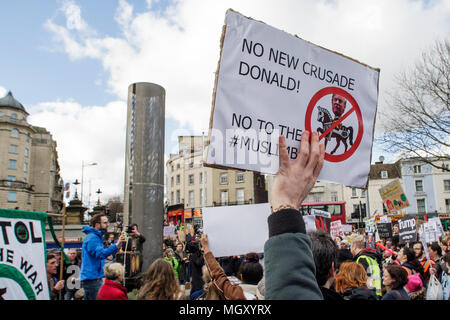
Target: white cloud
[
  {"x": 89, "y": 134},
  {"x": 3, "y": 92},
  {"x": 178, "y": 48}
]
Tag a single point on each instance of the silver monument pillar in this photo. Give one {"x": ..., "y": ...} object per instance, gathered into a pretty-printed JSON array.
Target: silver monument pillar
[{"x": 144, "y": 166}]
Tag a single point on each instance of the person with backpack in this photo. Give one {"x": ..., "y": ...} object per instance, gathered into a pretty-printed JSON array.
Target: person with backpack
[
  {"x": 370, "y": 259},
  {"x": 410, "y": 263}
]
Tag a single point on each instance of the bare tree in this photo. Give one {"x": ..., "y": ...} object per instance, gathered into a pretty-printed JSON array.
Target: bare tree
[
  {"x": 418, "y": 121},
  {"x": 115, "y": 206}
]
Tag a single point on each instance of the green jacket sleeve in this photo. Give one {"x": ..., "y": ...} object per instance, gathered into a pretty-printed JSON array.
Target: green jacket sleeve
[{"x": 289, "y": 263}]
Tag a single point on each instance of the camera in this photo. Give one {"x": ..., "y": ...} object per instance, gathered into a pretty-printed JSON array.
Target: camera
[{"x": 129, "y": 229}]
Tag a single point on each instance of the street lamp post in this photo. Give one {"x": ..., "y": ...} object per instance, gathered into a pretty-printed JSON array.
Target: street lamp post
[{"x": 82, "y": 174}]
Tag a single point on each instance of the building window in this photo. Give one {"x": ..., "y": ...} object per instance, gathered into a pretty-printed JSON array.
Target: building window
[
  {"x": 384, "y": 174},
  {"x": 223, "y": 178},
  {"x": 11, "y": 178},
  {"x": 178, "y": 196},
  {"x": 12, "y": 197},
  {"x": 171, "y": 182},
  {"x": 178, "y": 179},
  {"x": 27, "y": 152},
  {"x": 239, "y": 177},
  {"x": 417, "y": 169},
  {"x": 354, "y": 194},
  {"x": 173, "y": 168},
  {"x": 13, "y": 117},
  {"x": 25, "y": 167},
  {"x": 12, "y": 164},
  {"x": 171, "y": 197},
  {"x": 317, "y": 197},
  {"x": 28, "y": 198},
  {"x": 445, "y": 167},
  {"x": 447, "y": 205},
  {"x": 191, "y": 165},
  {"x": 419, "y": 185},
  {"x": 363, "y": 193},
  {"x": 201, "y": 177},
  {"x": 178, "y": 166},
  {"x": 14, "y": 133},
  {"x": 191, "y": 199},
  {"x": 446, "y": 185},
  {"x": 12, "y": 148},
  {"x": 334, "y": 196},
  {"x": 240, "y": 196},
  {"x": 224, "y": 197},
  {"x": 421, "y": 206},
  {"x": 191, "y": 179}
]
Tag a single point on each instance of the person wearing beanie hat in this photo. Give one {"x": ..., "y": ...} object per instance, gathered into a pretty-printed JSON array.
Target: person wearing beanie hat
[
  {"x": 169, "y": 257},
  {"x": 415, "y": 288}
]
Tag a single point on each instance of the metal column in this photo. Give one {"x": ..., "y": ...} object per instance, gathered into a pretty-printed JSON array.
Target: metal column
[{"x": 144, "y": 166}]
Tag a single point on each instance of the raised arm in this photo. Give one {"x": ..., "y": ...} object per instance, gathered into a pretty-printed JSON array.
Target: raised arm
[{"x": 288, "y": 259}]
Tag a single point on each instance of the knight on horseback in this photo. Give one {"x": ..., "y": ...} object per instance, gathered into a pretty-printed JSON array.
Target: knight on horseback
[{"x": 340, "y": 132}]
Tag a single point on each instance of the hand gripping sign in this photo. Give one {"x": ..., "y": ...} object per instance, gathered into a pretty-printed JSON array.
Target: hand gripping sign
[{"x": 271, "y": 83}]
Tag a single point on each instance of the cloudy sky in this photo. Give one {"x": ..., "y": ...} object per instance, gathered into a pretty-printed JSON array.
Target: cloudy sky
[{"x": 70, "y": 62}]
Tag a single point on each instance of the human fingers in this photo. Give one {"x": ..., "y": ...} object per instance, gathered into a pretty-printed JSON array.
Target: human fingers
[
  {"x": 320, "y": 162},
  {"x": 302, "y": 158},
  {"x": 284, "y": 156},
  {"x": 314, "y": 152}
]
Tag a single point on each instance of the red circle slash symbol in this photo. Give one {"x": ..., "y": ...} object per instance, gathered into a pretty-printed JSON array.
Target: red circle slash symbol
[{"x": 355, "y": 108}]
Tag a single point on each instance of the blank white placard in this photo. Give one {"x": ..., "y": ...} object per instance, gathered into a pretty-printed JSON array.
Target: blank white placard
[{"x": 236, "y": 230}]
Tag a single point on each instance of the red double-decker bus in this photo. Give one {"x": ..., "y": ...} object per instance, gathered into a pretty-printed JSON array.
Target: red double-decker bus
[{"x": 335, "y": 208}]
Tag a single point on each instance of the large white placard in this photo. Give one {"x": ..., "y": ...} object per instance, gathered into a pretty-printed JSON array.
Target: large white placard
[
  {"x": 236, "y": 230},
  {"x": 23, "y": 274},
  {"x": 270, "y": 83}
]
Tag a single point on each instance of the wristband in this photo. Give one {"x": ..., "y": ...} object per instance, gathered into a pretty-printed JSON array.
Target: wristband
[{"x": 283, "y": 206}]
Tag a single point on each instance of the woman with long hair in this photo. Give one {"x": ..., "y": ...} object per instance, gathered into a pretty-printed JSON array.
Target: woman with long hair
[
  {"x": 351, "y": 282},
  {"x": 160, "y": 283},
  {"x": 395, "y": 279}
]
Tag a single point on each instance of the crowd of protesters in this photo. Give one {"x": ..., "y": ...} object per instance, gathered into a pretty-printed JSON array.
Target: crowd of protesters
[{"x": 294, "y": 265}]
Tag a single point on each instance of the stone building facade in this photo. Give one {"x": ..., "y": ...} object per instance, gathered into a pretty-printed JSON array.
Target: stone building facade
[{"x": 29, "y": 168}]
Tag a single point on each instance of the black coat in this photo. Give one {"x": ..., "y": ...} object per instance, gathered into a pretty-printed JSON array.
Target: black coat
[
  {"x": 196, "y": 263},
  {"x": 362, "y": 293},
  {"x": 330, "y": 295}
]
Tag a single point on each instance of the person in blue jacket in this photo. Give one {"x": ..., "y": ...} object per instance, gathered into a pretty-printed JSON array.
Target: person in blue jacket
[
  {"x": 289, "y": 263},
  {"x": 93, "y": 255}
]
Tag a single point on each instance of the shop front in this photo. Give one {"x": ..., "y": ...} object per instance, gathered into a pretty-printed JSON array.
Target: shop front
[
  {"x": 175, "y": 214},
  {"x": 194, "y": 217}
]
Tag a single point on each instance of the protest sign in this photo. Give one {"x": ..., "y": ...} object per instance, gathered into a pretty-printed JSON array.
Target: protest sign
[
  {"x": 393, "y": 196},
  {"x": 23, "y": 274},
  {"x": 407, "y": 230},
  {"x": 430, "y": 233},
  {"x": 310, "y": 223},
  {"x": 347, "y": 228},
  {"x": 437, "y": 225},
  {"x": 181, "y": 235},
  {"x": 384, "y": 229},
  {"x": 336, "y": 229},
  {"x": 424, "y": 241},
  {"x": 236, "y": 230},
  {"x": 323, "y": 219},
  {"x": 271, "y": 83},
  {"x": 169, "y": 230}
]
